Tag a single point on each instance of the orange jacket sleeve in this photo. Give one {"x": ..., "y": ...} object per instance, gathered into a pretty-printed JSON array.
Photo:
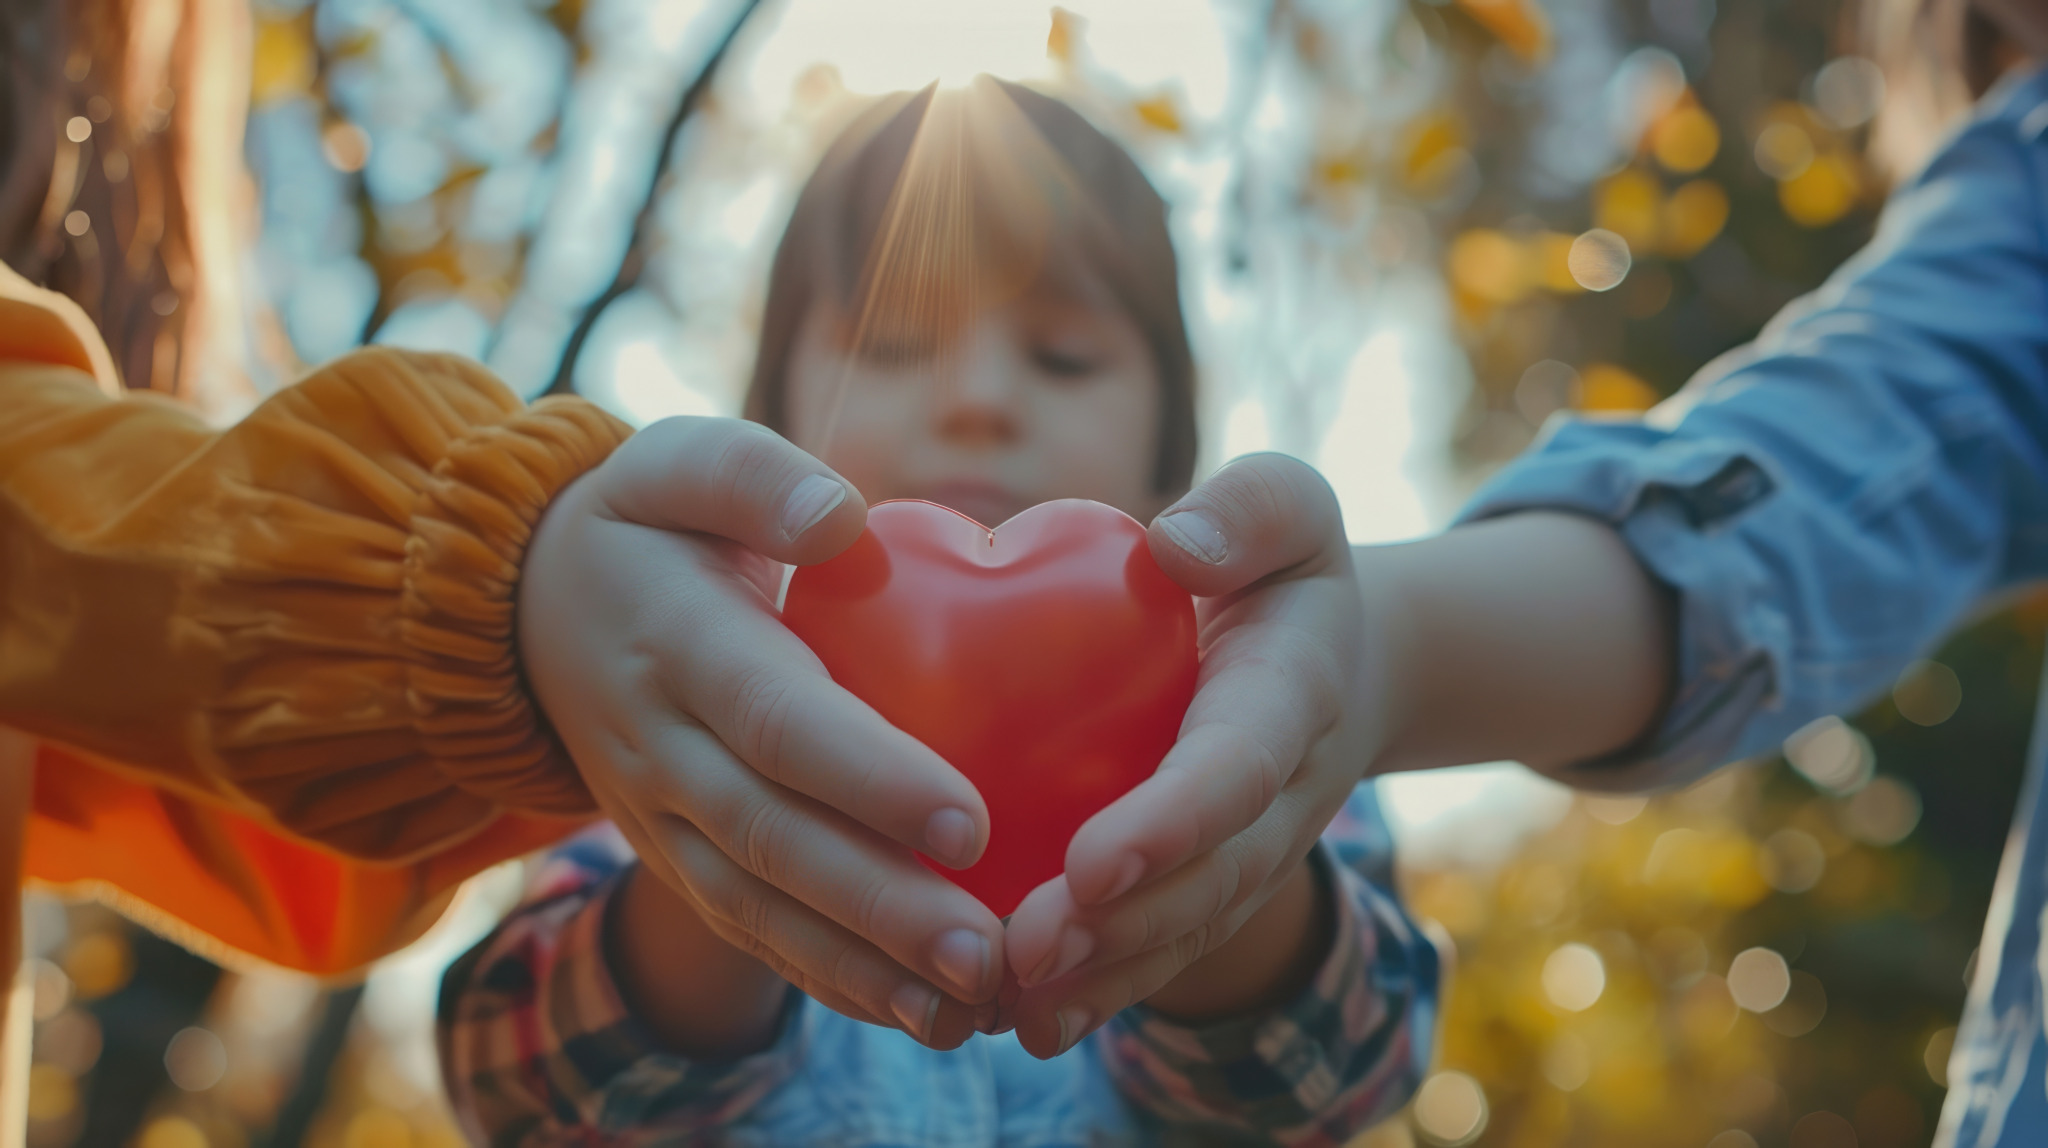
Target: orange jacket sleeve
[{"x": 272, "y": 667}]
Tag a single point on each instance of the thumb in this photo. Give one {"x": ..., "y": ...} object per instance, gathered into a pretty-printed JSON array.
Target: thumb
[
  {"x": 1259, "y": 515},
  {"x": 734, "y": 479}
]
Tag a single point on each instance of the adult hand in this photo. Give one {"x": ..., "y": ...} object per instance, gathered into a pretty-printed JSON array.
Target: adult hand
[
  {"x": 1283, "y": 725},
  {"x": 784, "y": 809}
]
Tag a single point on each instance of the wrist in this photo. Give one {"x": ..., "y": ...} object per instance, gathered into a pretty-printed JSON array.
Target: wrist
[
  {"x": 698, "y": 995},
  {"x": 1387, "y": 587},
  {"x": 1269, "y": 961},
  {"x": 1536, "y": 637}
]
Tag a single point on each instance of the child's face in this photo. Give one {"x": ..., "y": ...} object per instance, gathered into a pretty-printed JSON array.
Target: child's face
[{"x": 1041, "y": 398}]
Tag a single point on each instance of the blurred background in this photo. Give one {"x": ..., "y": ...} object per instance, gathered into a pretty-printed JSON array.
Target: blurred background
[{"x": 1411, "y": 233}]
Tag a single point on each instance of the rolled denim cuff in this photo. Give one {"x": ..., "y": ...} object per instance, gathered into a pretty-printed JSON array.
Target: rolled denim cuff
[{"x": 1674, "y": 501}]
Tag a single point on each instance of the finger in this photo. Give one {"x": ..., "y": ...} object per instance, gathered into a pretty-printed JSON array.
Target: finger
[
  {"x": 1260, "y": 514},
  {"x": 1055, "y": 1017},
  {"x": 813, "y": 953},
  {"x": 735, "y": 479},
  {"x": 763, "y": 694},
  {"x": 815, "y": 854},
  {"x": 1269, "y": 693},
  {"x": 1062, "y": 935}
]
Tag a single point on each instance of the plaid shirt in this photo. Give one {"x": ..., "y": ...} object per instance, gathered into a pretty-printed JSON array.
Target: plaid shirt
[{"x": 537, "y": 1048}]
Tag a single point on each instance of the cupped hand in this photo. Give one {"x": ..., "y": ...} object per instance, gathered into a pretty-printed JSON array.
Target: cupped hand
[
  {"x": 1282, "y": 727},
  {"x": 782, "y": 808}
]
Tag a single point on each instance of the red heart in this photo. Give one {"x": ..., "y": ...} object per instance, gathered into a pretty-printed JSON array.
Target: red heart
[{"x": 1051, "y": 661}]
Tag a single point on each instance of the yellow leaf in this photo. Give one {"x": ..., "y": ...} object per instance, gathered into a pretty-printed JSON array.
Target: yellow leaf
[
  {"x": 1065, "y": 36},
  {"x": 282, "y": 63},
  {"x": 1518, "y": 24},
  {"x": 1160, "y": 113},
  {"x": 1431, "y": 149}
]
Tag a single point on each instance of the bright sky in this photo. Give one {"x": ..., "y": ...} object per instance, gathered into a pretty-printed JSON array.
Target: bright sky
[{"x": 899, "y": 45}]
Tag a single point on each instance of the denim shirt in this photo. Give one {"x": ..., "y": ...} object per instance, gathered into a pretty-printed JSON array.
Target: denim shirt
[
  {"x": 539, "y": 1047},
  {"x": 1829, "y": 502}
]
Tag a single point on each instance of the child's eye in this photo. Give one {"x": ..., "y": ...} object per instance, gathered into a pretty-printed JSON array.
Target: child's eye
[{"x": 1063, "y": 363}]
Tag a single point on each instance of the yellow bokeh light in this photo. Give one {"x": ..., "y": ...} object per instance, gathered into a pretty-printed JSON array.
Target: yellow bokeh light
[
  {"x": 1758, "y": 979},
  {"x": 1821, "y": 193},
  {"x": 1686, "y": 139},
  {"x": 1693, "y": 216},
  {"x": 1550, "y": 255},
  {"x": 1606, "y": 388},
  {"x": 1630, "y": 204},
  {"x": 98, "y": 963},
  {"x": 1574, "y": 977},
  {"x": 345, "y": 145},
  {"x": 377, "y": 1128},
  {"x": 282, "y": 61},
  {"x": 1599, "y": 260},
  {"x": 1452, "y": 900},
  {"x": 1936, "y": 1053},
  {"x": 1450, "y": 1108},
  {"x": 1706, "y": 1012},
  {"x": 1927, "y": 693},
  {"x": 1489, "y": 265},
  {"x": 1783, "y": 149},
  {"x": 52, "y": 1093},
  {"x": 172, "y": 1132}
]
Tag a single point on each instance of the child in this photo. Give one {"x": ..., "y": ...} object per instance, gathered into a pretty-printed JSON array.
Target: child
[{"x": 624, "y": 1007}]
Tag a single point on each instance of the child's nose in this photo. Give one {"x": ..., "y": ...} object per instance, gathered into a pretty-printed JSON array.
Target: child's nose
[
  {"x": 971, "y": 419},
  {"x": 977, "y": 400}
]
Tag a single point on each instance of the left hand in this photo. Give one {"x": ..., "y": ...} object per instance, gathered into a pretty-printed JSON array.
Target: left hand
[{"x": 1284, "y": 722}]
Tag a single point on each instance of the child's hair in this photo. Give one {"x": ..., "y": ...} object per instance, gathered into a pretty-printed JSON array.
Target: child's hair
[{"x": 933, "y": 202}]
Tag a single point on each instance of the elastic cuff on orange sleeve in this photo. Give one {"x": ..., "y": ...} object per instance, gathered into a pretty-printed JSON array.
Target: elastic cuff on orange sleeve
[{"x": 469, "y": 535}]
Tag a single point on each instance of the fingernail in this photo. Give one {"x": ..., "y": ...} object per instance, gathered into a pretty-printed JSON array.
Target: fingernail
[
  {"x": 1074, "y": 947},
  {"x": 809, "y": 503},
  {"x": 1128, "y": 871},
  {"x": 1074, "y": 1022},
  {"x": 950, "y": 835},
  {"x": 916, "y": 1008},
  {"x": 1192, "y": 531},
  {"x": 962, "y": 958}
]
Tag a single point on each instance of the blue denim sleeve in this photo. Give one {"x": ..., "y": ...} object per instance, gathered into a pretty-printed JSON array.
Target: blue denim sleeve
[{"x": 1830, "y": 501}]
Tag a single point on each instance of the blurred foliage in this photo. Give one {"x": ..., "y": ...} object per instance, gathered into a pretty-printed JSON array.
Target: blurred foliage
[
  {"x": 1844, "y": 919},
  {"x": 1740, "y": 184}
]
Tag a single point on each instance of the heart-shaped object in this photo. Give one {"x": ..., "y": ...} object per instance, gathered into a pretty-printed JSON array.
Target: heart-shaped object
[{"x": 1049, "y": 660}]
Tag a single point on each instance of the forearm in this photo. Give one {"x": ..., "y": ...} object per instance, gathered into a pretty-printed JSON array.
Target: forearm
[
  {"x": 1535, "y": 637},
  {"x": 351, "y": 547},
  {"x": 700, "y": 997},
  {"x": 1265, "y": 963}
]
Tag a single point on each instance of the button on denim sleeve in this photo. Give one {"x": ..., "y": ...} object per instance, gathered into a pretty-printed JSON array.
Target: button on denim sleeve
[{"x": 1830, "y": 501}]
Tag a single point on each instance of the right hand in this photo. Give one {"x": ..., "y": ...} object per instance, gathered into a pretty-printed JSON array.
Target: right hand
[{"x": 778, "y": 805}]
